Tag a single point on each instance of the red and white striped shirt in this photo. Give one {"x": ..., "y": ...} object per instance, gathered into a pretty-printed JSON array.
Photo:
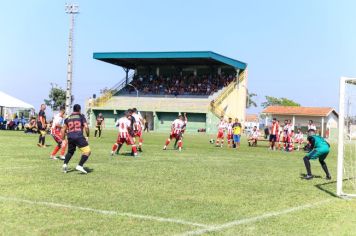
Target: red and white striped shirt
[
  {"x": 57, "y": 124},
  {"x": 222, "y": 126},
  {"x": 229, "y": 128},
  {"x": 123, "y": 124},
  {"x": 274, "y": 128},
  {"x": 138, "y": 122},
  {"x": 177, "y": 126}
]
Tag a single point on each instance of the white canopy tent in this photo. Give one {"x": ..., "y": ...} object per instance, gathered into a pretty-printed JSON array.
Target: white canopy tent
[{"x": 10, "y": 105}]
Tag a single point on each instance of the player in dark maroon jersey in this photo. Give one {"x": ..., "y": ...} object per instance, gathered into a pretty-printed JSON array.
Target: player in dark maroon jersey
[
  {"x": 42, "y": 126},
  {"x": 73, "y": 127}
]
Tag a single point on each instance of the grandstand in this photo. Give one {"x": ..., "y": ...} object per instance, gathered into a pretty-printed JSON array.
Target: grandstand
[{"x": 204, "y": 84}]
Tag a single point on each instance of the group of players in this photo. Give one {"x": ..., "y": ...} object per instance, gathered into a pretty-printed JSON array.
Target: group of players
[
  {"x": 233, "y": 133},
  {"x": 130, "y": 128},
  {"x": 285, "y": 136}
]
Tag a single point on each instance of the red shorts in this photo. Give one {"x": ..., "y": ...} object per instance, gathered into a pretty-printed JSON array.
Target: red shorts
[
  {"x": 57, "y": 136},
  {"x": 128, "y": 140},
  {"x": 138, "y": 133},
  {"x": 174, "y": 135},
  {"x": 220, "y": 134}
]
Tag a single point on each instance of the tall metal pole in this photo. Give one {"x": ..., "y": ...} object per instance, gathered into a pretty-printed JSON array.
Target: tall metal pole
[{"x": 71, "y": 9}]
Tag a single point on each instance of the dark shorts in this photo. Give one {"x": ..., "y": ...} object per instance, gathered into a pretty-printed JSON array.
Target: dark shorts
[
  {"x": 40, "y": 127},
  {"x": 79, "y": 142},
  {"x": 272, "y": 138}
]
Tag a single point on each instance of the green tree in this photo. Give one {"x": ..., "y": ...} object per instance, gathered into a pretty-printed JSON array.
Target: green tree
[
  {"x": 249, "y": 100},
  {"x": 56, "y": 97},
  {"x": 273, "y": 101}
]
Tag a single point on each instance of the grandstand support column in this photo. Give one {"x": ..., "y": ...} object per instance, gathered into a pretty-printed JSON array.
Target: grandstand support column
[
  {"x": 157, "y": 71},
  {"x": 322, "y": 127},
  {"x": 242, "y": 95},
  {"x": 127, "y": 74}
]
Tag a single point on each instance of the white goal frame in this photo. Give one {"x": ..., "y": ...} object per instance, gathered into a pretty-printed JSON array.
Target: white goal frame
[{"x": 340, "y": 150}]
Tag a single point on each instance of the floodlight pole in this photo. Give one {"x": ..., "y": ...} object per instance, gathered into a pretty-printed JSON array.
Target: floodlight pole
[
  {"x": 136, "y": 93},
  {"x": 70, "y": 9}
]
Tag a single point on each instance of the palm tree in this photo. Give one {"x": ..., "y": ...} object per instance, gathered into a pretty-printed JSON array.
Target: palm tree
[{"x": 249, "y": 100}]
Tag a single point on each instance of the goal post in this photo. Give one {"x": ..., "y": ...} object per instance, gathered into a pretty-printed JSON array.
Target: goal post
[{"x": 346, "y": 152}]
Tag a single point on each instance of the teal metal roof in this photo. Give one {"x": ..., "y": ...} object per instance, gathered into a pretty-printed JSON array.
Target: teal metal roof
[{"x": 132, "y": 60}]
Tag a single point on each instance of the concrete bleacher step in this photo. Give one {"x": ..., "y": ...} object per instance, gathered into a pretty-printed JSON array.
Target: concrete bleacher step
[{"x": 170, "y": 104}]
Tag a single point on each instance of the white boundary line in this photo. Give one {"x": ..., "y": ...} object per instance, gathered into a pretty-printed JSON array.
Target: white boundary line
[
  {"x": 104, "y": 212},
  {"x": 221, "y": 227}
]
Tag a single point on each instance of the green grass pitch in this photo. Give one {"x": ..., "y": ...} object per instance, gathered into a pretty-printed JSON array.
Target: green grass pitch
[{"x": 203, "y": 190}]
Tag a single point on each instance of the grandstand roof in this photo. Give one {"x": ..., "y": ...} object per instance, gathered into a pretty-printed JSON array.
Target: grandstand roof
[
  {"x": 132, "y": 60},
  {"x": 299, "y": 111}
]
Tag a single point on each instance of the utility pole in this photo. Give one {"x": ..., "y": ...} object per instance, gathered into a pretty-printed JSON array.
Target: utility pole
[{"x": 70, "y": 9}]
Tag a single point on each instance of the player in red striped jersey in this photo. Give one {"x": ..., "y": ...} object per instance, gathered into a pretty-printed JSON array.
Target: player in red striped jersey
[
  {"x": 138, "y": 126},
  {"x": 221, "y": 130},
  {"x": 124, "y": 126},
  {"x": 273, "y": 134},
  {"x": 229, "y": 135},
  {"x": 176, "y": 132},
  {"x": 57, "y": 125}
]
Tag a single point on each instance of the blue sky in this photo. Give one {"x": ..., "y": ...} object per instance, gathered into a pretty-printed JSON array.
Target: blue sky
[{"x": 294, "y": 49}]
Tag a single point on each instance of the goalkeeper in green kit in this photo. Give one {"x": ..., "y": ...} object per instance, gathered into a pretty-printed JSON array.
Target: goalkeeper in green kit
[{"x": 319, "y": 150}]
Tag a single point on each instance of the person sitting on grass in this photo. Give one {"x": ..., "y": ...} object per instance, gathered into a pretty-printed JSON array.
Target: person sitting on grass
[
  {"x": 253, "y": 138},
  {"x": 320, "y": 149}
]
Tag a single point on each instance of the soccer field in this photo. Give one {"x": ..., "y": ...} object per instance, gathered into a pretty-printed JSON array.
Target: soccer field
[{"x": 202, "y": 190}]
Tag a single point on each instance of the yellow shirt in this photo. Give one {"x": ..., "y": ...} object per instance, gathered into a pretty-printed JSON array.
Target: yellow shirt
[{"x": 237, "y": 130}]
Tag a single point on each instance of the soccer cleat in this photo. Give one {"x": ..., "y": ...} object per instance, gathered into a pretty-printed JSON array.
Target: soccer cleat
[
  {"x": 65, "y": 168},
  {"x": 112, "y": 153},
  {"x": 308, "y": 177},
  {"x": 180, "y": 149},
  {"x": 165, "y": 148},
  {"x": 53, "y": 157},
  {"x": 135, "y": 154},
  {"x": 140, "y": 149},
  {"x": 81, "y": 169},
  {"x": 39, "y": 145},
  {"x": 62, "y": 158},
  {"x": 328, "y": 177}
]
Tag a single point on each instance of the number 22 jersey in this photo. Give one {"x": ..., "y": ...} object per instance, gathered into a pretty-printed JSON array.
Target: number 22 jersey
[{"x": 75, "y": 123}]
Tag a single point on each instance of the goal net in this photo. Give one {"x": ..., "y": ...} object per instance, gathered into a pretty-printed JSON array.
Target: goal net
[{"x": 346, "y": 169}]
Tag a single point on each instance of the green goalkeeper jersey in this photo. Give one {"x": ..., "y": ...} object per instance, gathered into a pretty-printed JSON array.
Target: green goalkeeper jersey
[{"x": 318, "y": 142}]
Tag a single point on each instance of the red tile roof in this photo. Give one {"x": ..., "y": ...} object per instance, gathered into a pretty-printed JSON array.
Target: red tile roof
[
  {"x": 251, "y": 118},
  {"x": 299, "y": 111}
]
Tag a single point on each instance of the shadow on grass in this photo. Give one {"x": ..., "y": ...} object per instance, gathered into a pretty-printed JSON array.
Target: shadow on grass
[{"x": 322, "y": 188}]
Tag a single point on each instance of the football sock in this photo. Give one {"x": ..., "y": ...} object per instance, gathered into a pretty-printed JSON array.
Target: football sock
[
  {"x": 43, "y": 140},
  {"x": 55, "y": 150},
  {"x": 307, "y": 165},
  {"x": 134, "y": 149},
  {"x": 83, "y": 160},
  {"x": 68, "y": 157},
  {"x": 167, "y": 142},
  {"x": 99, "y": 133},
  {"x": 325, "y": 167},
  {"x": 40, "y": 139},
  {"x": 96, "y": 131}
]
